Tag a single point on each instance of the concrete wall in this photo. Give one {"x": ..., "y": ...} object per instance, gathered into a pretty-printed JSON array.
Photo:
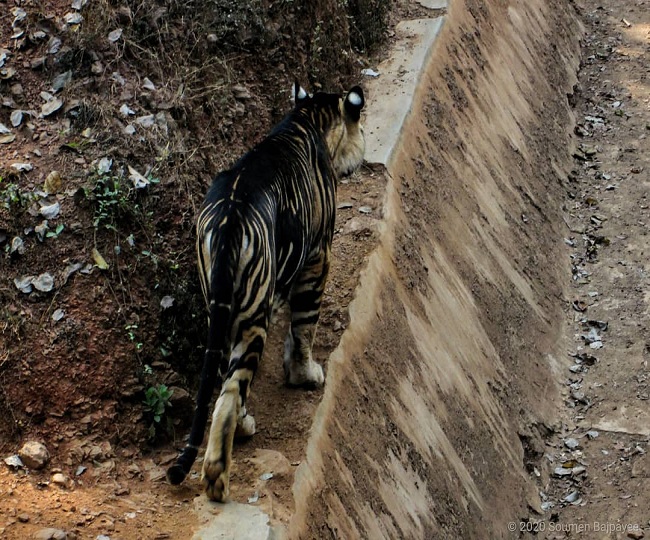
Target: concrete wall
[{"x": 442, "y": 388}]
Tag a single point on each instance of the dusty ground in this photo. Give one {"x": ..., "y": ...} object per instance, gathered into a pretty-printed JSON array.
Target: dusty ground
[
  {"x": 82, "y": 419},
  {"x": 595, "y": 479}
]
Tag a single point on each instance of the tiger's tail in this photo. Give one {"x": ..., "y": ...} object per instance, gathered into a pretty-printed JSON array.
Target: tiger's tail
[{"x": 220, "y": 297}]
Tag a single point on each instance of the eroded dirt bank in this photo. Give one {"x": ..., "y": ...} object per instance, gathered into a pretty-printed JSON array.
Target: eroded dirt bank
[{"x": 448, "y": 366}]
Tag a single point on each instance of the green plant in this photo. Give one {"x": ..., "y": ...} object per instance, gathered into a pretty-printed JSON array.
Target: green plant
[
  {"x": 112, "y": 200},
  {"x": 56, "y": 232},
  {"x": 130, "y": 330},
  {"x": 11, "y": 197},
  {"x": 156, "y": 402}
]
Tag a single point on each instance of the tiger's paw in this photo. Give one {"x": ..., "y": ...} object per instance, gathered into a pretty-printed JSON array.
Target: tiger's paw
[
  {"x": 308, "y": 375},
  {"x": 215, "y": 480},
  {"x": 245, "y": 427}
]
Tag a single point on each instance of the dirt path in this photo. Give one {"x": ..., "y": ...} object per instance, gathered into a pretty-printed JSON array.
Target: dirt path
[{"x": 596, "y": 483}]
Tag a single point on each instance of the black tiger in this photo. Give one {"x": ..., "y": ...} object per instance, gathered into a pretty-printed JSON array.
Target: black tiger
[{"x": 265, "y": 233}]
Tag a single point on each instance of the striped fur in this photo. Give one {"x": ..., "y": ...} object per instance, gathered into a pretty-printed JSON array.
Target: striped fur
[{"x": 264, "y": 233}]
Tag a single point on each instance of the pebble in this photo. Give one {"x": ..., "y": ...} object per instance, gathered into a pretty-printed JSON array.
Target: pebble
[
  {"x": 34, "y": 455},
  {"x": 50, "y": 211},
  {"x": 571, "y": 443},
  {"x": 50, "y": 534},
  {"x": 60, "y": 479}
]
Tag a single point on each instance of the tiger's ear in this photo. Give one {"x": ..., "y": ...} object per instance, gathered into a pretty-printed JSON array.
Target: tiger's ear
[
  {"x": 298, "y": 93},
  {"x": 354, "y": 102}
]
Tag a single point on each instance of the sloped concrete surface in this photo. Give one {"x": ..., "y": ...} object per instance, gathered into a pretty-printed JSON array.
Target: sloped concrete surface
[{"x": 391, "y": 94}]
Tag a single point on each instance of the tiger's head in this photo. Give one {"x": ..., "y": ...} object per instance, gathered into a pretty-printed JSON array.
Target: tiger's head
[{"x": 338, "y": 118}]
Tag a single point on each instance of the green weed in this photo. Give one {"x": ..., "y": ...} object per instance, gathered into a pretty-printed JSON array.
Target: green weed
[{"x": 156, "y": 402}]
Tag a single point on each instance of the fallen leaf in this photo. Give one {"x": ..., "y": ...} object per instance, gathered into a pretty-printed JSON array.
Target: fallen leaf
[
  {"x": 138, "y": 180},
  {"x": 53, "y": 183},
  {"x": 100, "y": 262},
  {"x": 16, "y": 118},
  {"x": 115, "y": 35}
]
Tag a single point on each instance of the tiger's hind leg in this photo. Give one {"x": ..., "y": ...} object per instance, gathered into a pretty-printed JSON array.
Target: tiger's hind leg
[
  {"x": 300, "y": 369},
  {"x": 230, "y": 418}
]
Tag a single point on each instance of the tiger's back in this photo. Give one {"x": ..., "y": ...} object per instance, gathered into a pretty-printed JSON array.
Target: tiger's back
[{"x": 265, "y": 231}]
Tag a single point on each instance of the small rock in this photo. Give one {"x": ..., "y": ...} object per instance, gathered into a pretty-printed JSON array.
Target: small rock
[
  {"x": 592, "y": 433},
  {"x": 125, "y": 110},
  {"x": 22, "y": 167},
  {"x": 571, "y": 443},
  {"x": 146, "y": 121},
  {"x": 24, "y": 284},
  {"x": 38, "y": 62},
  {"x": 167, "y": 302},
  {"x": 50, "y": 211},
  {"x": 38, "y": 35},
  {"x": 7, "y": 73},
  {"x": 369, "y": 72},
  {"x": 60, "y": 479},
  {"x": 54, "y": 45},
  {"x": 14, "y": 462},
  {"x": 50, "y": 534},
  {"x": 61, "y": 81},
  {"x": 572, "y": 497},
  {"x": 51, "y": 106},
  {"x": 23, "y": 518},
  {"x": 41, "y": 230},
  {"x": 44, "y": 282},
  {"x": 16, "y": 89},
  {"x": 58, "y": 315},
  {"x": 34, "y": 455},
  {"x": 636, "y": 534}
]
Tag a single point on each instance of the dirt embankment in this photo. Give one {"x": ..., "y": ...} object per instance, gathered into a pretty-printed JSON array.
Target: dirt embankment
[{"x": 443, "y": 387}]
